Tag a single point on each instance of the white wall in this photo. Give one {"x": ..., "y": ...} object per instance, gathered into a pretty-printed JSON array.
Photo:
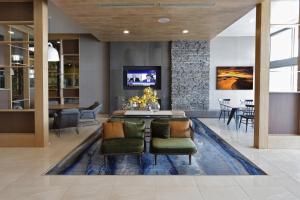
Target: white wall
[{"x": 230, "y": 51}]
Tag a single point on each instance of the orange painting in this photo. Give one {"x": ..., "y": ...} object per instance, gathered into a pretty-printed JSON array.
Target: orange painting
[{"x": 234, "y": 78}]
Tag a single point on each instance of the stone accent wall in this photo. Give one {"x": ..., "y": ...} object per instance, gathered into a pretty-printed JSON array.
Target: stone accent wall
[{"x": 190, "y": 75}]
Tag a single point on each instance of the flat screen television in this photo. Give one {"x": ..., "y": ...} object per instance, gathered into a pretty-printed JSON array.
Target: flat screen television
[
  {"x": 140, "y": 77},
  {"x": 235, "y": 78}
]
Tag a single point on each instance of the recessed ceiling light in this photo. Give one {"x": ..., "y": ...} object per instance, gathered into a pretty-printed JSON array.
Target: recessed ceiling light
[
  {"x": 163, "y": 20},
  {"x": 126, "y": 32},
  {"x": 185, "y": 31},
  {"x": 11, "y": 32}
]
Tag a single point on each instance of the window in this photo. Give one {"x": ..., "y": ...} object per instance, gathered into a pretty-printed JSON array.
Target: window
[
  {"x": 283, "y": 79},
  {"x": 284, "y": 46}
]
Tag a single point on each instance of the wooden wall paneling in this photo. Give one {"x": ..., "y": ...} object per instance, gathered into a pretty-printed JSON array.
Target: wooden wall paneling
[
  {"x": 262, "y": 65},
  {"x": 16, "y": 11},
  {"x": 203, "y": 22},
  {"x": 41, "y": 72}
]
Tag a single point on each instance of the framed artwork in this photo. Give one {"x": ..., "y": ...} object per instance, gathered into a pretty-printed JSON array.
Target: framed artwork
[{"x": 234, "y": 78}]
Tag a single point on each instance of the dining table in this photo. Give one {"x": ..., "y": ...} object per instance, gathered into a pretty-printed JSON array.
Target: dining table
[{"x": 234, "y": 110}]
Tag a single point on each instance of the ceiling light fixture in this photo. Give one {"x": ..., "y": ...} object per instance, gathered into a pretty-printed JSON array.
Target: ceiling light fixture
[
  {"x": 164, "y": 20},
  {"x": 11, "y": 32},
  {"x": 185, "y": 31},
  {"x": 126, "y": 32},
  {"x": 52, "y": 53}
]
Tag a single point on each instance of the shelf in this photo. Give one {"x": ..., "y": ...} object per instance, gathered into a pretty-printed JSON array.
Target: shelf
[
  {"x": 68, "y": 74},
  {"x": 71, "y": 55},
  {"x": 15, "y": 66},
  {"x": 73, "y": 88},
  {"x": 71, "y": 97},
  {"x": 17, "y": 22},
  {"x": 17, "y": 47},
  {"x": 16, "y": 42}
]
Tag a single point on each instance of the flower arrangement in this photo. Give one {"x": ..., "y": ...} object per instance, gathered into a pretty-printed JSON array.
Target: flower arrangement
[{"x": 149, "y": 97}]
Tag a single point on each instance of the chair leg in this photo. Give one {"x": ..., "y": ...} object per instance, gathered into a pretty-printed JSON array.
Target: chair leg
[
  {"x": 140, "y": 159},
  {"x": 190, "y": 159},
  {"x": 77, "y": 130},
  {"x": 155, "y": 159},
  {"x": 240, "y": 122},
  {"x": 220, "y": 115},
  {"x": 58, "y": 132},
  {"x": 105, "y": 161}
]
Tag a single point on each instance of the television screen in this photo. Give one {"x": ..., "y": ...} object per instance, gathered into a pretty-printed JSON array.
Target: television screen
[
  {"x": 234, "y": 78},
  {"x": 142, "y": 78},
  {"x": 139, "y": 77}
]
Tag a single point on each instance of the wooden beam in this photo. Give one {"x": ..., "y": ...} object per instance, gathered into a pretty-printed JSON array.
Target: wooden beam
[
  {"x": 262, "y": 70},
  {"x": 41, "y": 72}
]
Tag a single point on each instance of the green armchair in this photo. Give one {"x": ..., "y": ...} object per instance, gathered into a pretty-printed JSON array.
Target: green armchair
[
  {"x": 172, "y": 137},
  {"x": 131, "y": 142}
]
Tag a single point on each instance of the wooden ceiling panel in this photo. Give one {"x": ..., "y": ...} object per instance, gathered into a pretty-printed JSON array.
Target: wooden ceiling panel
[{"x": 204, "y": 21}]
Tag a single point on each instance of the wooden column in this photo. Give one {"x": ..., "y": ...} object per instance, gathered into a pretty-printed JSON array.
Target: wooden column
[
  {"x": 262, "y": 65},
  {"x": 41, "y": 72},
  {"x": 26, "y": 80},
  {"x": 8, "y": 65}
]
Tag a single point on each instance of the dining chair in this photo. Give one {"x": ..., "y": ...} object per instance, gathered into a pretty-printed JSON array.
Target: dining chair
[
  {"x": 224, "y": 109},
  {"x": 247, "y": 115},
  {"x": 247, "y": 101}
]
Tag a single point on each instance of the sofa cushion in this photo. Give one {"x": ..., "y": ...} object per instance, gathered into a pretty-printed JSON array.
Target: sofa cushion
[
  {"x": 160, "y": 129},
  {"x": 120, "y": 146},
  {"x": 134, "y": 129},
  {"x": 112, "y": 130},
  {"x": 180, "y": 129},
  {"x": 173, "y": 146}
]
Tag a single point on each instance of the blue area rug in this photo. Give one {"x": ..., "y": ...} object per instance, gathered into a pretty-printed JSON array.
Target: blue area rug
[{"x": 214, "y": 157}]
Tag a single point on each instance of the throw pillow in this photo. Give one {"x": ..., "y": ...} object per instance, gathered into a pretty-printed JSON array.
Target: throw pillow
[
  {"x": 160, "y": 129},
  {"x": 112, "y": 130},
  {"x": 134, "y": 129},
  {"x": 180, "y": 129}
]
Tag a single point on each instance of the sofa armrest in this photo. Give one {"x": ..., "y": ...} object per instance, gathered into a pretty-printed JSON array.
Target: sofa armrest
[{"x": 192, "y": 132}]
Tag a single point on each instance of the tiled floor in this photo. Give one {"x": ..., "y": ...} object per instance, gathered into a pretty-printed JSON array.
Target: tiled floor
[{"x": 21, "y": 176}]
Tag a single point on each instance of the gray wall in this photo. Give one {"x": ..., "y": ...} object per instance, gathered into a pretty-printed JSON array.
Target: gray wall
[
  {"x": 229, "y": 51},
  {"x": 94, "y": 59},
  {"x": 190, "y": 75},
  {"x": 283, "y": 114},
  {"x": 59, "y": 22},
  {"x": 137, "y": 54},
  {"x": 94, "y": 70}
]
